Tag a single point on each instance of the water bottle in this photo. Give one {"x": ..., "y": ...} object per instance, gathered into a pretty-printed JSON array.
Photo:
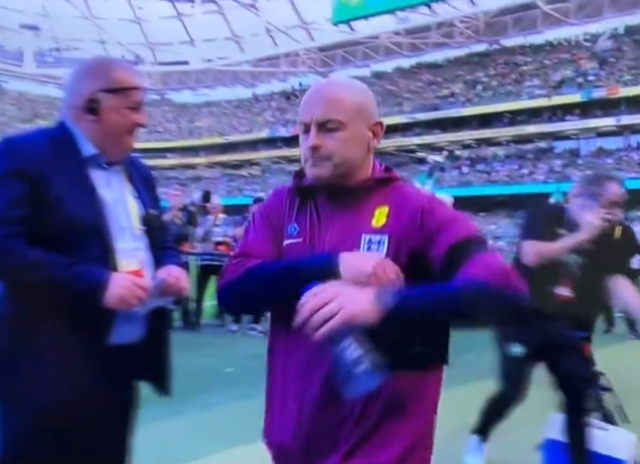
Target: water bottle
[{"x": 357, "y": 368}]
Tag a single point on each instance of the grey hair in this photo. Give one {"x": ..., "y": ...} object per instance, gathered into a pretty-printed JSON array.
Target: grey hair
[
  {"x": 591, "y": 185},
  {"x": 88, "y": 78}
]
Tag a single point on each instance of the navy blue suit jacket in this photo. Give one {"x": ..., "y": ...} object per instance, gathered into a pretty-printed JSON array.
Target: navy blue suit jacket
[{"x": 55, "y": 260}]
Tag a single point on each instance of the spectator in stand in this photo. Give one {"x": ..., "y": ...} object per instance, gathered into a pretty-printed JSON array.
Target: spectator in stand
[{"x": 545, "y": 161}]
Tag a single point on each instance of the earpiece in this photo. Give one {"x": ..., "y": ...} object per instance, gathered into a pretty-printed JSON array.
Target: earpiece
[{"x": 92, "y": 107}]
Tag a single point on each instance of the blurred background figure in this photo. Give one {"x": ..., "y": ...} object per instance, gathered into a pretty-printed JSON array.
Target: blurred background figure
[
  {"x": 179, "y": 217},
  {"x": 259, "y": 323},
  {"x": 213, "y": 233}
]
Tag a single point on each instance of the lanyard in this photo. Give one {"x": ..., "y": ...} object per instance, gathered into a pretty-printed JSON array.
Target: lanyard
[
  {"x": 130, "y": 261},
  {"x": 133, "y": 207}
]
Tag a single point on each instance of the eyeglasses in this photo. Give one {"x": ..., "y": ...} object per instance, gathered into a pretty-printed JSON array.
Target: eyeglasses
[
  {"x": 607, "y": 203},
  {"x": 117, "y": 90}
]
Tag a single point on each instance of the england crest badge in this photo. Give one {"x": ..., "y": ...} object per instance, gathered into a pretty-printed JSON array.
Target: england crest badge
[{"x": 377, "y": 243}]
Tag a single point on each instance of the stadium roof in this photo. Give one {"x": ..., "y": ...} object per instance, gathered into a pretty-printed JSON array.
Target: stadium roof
[
  {"x": 197, "y": 31},
  {"x": 251, "y": 42}
]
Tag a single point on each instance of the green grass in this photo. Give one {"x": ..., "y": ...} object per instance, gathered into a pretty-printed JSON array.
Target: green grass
[{"x": 219, "y": 389}]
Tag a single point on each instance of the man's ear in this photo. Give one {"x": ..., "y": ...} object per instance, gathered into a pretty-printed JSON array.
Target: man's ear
[{"x": 376, "y": 131}]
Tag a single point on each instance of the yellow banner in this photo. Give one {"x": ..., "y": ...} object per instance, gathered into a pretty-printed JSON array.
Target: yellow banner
[
  {"x": 425, "y": 140},
  {"x": 200, "y": 143}
]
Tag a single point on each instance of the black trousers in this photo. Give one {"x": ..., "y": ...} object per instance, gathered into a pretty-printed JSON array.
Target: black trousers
[
  {"x": 205, "y": 273},
  {"x": 610, "y": 320},
  {"x": 552, "y": 343},
  {"x": 91, "y": 424},
  {"x": 609, "y": 317},
  {"x": 631, "y": 324}
]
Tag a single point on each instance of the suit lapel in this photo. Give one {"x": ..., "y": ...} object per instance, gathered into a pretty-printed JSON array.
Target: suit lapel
[
  {"x": 69, "y": 158},
  {"x": 148, "y": 202},
  {"x": 68, "y": 154}
]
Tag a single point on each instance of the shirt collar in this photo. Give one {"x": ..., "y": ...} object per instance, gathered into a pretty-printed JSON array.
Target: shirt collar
[{"x": 87, "y": 149}]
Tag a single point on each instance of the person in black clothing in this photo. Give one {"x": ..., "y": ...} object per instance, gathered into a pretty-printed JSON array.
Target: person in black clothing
[
  {"x": 630, "y": 321},
  {"x": 625, "y": 234},
  {"x": 609, "y": 316},
  {"x": 180, "y": 219},
  {"x": 573, "y": 258}
]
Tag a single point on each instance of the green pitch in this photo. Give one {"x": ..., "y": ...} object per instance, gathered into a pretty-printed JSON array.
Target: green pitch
[{"x": 215, "y": 416}]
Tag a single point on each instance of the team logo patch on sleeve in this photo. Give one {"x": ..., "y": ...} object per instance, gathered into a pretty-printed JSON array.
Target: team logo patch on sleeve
[
  {"x": 293, "y": 229},
  {"x": 377, "y": 243}
]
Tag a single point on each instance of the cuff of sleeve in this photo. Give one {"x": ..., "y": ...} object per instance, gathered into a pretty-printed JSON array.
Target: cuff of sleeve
[
  {"x": 96, "y": 281},
  {"x": 319, "y": 268},
  {"x": 461, "y": 302},
  {"x": 274, "y": 283}
]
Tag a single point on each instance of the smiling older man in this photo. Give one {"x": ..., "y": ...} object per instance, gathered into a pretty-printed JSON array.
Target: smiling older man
[{"x": 85, "y": 262}]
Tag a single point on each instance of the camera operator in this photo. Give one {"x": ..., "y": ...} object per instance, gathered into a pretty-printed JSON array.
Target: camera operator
[
  {"x": 573, "y": 257},
  {"x": 180, "y": 220}
]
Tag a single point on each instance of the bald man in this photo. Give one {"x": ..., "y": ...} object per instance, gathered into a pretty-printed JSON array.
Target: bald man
[
  {"x": 87, "y": 269},
  {"x": 306, "y": 233}
]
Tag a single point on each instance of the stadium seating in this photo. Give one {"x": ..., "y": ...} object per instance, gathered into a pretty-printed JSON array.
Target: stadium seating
[
  {"x": 540, "y": 162},
  {"x": 505, "y": 74},
  {"x": 514, "y": 164},
  {"x": 502, "y": 75}
]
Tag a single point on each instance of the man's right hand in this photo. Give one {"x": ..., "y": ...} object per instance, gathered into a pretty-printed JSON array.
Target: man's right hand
[
  {"x": 369, "y": 268},
  {"x": 592, "y": 223},
  {"x": 125, "y": 291}
]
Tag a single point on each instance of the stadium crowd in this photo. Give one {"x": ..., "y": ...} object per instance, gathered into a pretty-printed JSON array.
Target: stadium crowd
[
  {"x": 539, "y": 162},
  {"x": 504, "y": 74},
  {"x": 546, "y": 161}
]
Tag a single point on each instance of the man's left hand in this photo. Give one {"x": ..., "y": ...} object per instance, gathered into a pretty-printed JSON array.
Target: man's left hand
[
  {"x": 330, "y": 307},
  {"x": 175, "y": 281}
]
